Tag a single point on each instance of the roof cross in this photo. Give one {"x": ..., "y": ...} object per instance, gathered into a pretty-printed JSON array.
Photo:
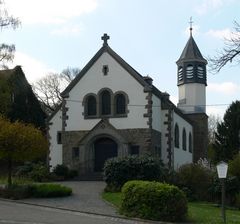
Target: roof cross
[
  {"x": 191, "y": 22},
  {"x": 105, "y": 38}
]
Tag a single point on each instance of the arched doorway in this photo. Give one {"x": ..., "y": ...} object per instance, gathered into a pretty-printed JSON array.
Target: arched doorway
[{"x": 104, "y": 148}]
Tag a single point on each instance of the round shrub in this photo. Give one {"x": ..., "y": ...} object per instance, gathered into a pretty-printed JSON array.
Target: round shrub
[
  {"x": 118, "y": 171},
  {"x": 153, "y": 200},
  {"x": 196, "y": 180},
  {"x": 61, "y": 170}
]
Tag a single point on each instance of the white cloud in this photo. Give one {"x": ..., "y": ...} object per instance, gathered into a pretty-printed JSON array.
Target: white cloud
[
  {"x": 69, "y": 30},
  {"x": 226, "y": 88},
  {"x": 33, "y": 68},
  {"x": 221, "y": 34},
  {"x": 216, "y": 110},
  {"x": 208, "y": 5},
  {"x": 49, "y": 11}
]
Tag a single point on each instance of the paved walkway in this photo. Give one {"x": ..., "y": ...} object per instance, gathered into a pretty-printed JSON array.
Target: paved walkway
[{"x": 86, "y": 198}]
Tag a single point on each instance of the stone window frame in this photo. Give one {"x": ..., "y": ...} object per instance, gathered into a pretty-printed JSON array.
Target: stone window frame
[
  {"x": 115, "y": 104},
  {"x": 176, "y": 136},
  {"x": 113, "y": 113},
  {"x": 99, "y": 102},
  {"x": 184, "y": 140},
  {"x": 190, "y": 142},
  {"x": 85, "y": 105}
]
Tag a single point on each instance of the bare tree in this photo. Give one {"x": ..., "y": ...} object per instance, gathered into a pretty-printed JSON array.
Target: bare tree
[
  {"x": 230, "y": 52},
  {"x": 49, "y": 88},
  {"x": 7, "y": 21},
  {"x": 213, "y": 121}
]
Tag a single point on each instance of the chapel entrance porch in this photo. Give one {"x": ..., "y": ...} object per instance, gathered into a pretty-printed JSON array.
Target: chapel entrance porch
[{"x": 104, "y": 148}]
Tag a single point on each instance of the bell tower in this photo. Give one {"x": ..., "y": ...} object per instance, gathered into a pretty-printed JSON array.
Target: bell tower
[
  {"x": 191, "y": 78},
  {"x": 192, "y": 82}
]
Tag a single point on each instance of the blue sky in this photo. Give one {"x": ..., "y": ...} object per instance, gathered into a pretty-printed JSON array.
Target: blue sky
[{"x": 149, "y": 34}]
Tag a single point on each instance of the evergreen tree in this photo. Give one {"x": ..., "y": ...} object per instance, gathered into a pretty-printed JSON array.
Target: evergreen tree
[{"x": 227, "y": 143}]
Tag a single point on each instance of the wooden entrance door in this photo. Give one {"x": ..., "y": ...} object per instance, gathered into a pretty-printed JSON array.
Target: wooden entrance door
[{"x": 104, "y": 148}]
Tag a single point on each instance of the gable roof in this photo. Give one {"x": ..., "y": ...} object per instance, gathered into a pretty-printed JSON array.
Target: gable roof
[
  {"x": 15, "y": 74},
  {"x": 124, "y": 64}
]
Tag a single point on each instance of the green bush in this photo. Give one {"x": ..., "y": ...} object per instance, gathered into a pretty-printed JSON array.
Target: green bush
[
  {"x": 50, "y": 190},
  {"x": 15, "y": 192},
  {"x": 63, "y": 172},
  {"x": 195, "y": 180},
  {"x": 234, "y": 167},
  {"x": 237, "y": 202},
  {"x": 118, "y": 171},
  {"x": 24, "y": 170},
  {"x": 153, "y": 200},
  {"x": 39, "y": 173}
]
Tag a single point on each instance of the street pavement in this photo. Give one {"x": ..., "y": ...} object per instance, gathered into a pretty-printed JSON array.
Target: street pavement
[
  {"x": 86, "y": 198},
  {"x": 18, "y": 213},
  {"x": 85, "y": 206}
]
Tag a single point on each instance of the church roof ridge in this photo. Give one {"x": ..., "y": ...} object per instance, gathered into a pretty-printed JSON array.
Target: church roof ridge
[{"x": 120, "y": 60}]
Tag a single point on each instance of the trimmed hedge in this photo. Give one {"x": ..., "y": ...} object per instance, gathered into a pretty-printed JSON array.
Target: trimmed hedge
[
  {"x": 50, "y": 190},
  {"x": 118, "y": 171},
  {"x": 153, "y": 200},
  {"x": 35, "y": 190}
]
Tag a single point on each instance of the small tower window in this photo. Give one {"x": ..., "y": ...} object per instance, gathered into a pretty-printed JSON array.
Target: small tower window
[
  {"x": 189, "y": 71},
  {"x": 105, "y": 69},
  {"x": 180, "y": 74},
  {"x": 200, "y": 72}
]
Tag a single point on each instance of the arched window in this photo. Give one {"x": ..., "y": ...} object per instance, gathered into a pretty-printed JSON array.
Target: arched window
[
  {"x": 176, "y": 136},
  {"x": 105, "y": 103},
  {"x": 120, "y": 104},
  {"x": 184, "y": 140},
  {"x": 91, "y": 106},
  {"x": 190, "y": 142}
]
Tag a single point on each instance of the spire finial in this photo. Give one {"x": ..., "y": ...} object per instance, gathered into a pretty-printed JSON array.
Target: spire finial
[
  {"x": 191, "y": 22},
  {"x": 105, "y": 38}
]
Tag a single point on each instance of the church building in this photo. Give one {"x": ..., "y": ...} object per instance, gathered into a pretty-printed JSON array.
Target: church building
[{"x": 111, "y": 110}]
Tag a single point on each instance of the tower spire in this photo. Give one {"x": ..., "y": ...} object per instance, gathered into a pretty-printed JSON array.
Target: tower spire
[{"x": 191, "y": 22}]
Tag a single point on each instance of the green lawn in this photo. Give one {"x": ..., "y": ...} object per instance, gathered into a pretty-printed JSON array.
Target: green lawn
[{"x": 198, "y": 212}]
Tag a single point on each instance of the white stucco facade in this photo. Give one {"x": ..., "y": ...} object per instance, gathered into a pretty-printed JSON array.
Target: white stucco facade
[
  {"x": 55, "y": 149},
  {"x": 117, "y": 79},
  {"x": 182, "y": 156}
]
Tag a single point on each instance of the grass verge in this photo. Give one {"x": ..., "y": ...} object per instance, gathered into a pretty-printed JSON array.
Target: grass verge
[{"x": 198, "y": 212}]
